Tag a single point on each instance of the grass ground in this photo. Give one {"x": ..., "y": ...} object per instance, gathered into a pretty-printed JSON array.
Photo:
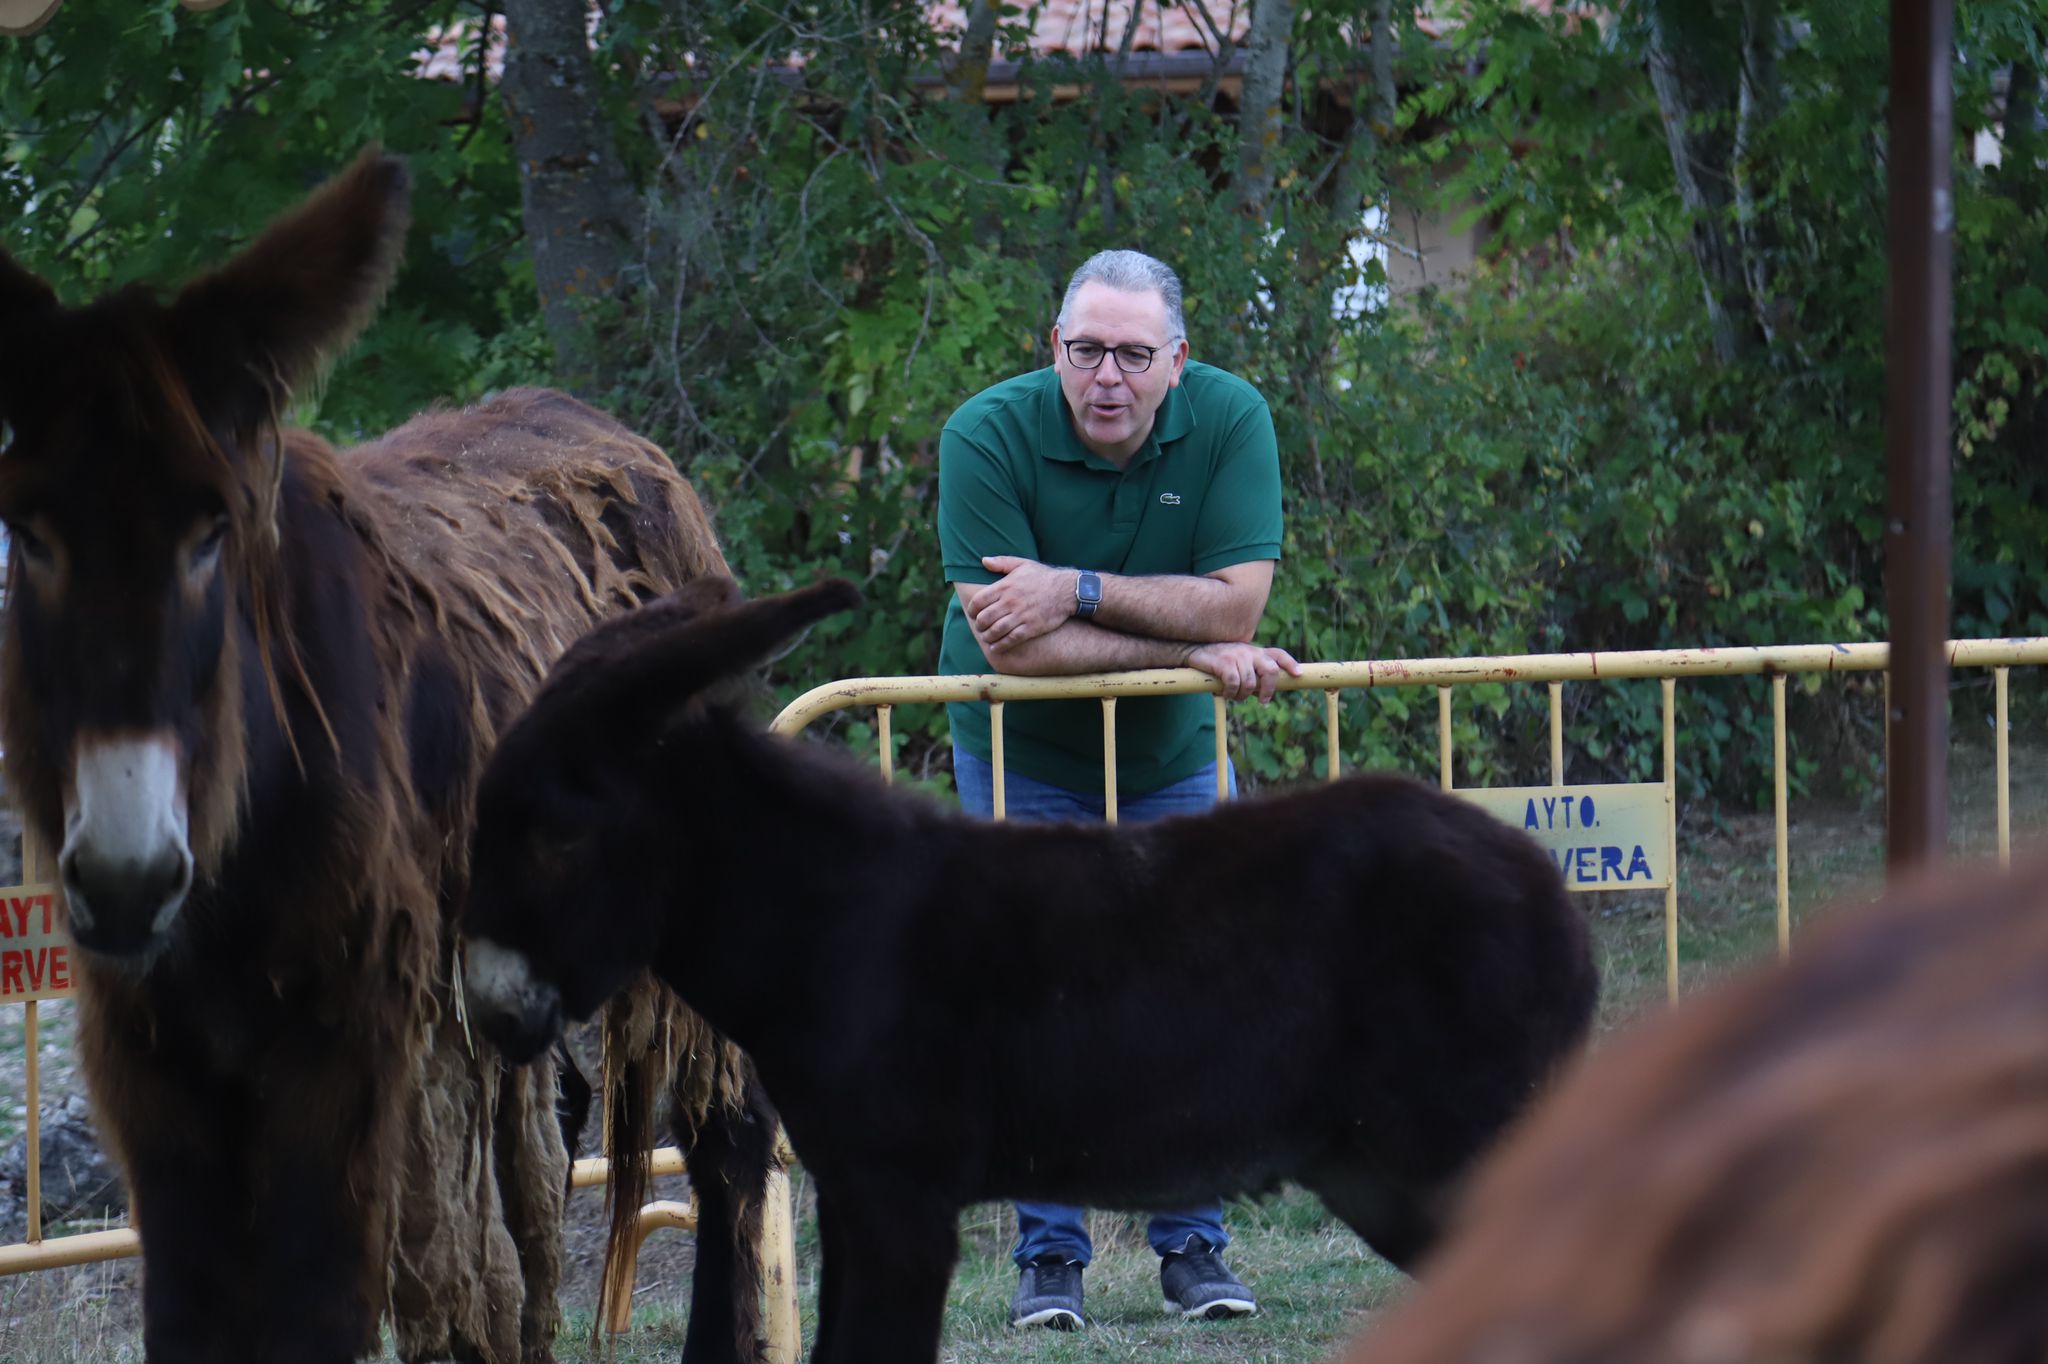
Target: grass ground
[{"x": 1317, "y": 1286}]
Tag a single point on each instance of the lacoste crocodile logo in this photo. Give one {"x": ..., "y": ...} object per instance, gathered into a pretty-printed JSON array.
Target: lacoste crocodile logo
[{"x": 1169, "y": 499}]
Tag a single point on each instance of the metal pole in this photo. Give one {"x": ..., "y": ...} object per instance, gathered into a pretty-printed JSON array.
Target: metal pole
[{"x": 1917, "y": 382}]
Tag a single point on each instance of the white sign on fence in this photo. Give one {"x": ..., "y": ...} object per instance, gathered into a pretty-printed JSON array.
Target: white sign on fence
[
  {"x": 35, "y": 948},
  {"x": 1609, "y": 837}
]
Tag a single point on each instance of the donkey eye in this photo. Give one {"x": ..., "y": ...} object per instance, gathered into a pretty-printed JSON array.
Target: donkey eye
[
  {"x": 207, "y": 551},
  {"x": 33, "y": 547},
  {"x": 6, "y": 435}
]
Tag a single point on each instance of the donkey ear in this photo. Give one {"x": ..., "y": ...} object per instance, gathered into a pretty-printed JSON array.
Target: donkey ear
[
  {"x": 21, "y": 292},
  {"x": 635, "y": 670},
  {"x": 677, "y": 664},
  {"x": 264, "y": 322},
  {"x": 24, "y": 298}
]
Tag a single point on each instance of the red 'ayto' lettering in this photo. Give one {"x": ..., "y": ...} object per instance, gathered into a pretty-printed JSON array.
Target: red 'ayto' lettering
[{"x": 20, "y": 915}]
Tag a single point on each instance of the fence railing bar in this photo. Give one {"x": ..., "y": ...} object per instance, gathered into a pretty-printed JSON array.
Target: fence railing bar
[
  {"x": 653, "y": 1217},
  {"x": 888, "y": 749},
  {"x": 33, "y": 1046},
  {"x": 1557, "y": 734},
  {"x": 1222, "y": 718},
  {"x": 1884, "y": 791},
  {"x": 1670, "y": 689},
  {"x": 995, "y": 752},
  {"x": 79, "y": 1248},
  {"x": 1443, "y": 736},
  {"x": 1109, "y": 759},
  {"x": 1645, "y": 663},
  {"x": 1330, "y": 725},
  {"x": 1778, "y": 805},
  {"x": 2000, "y": 746}
]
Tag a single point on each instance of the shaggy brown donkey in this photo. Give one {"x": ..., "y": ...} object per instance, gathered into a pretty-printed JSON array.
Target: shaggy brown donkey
[
  {"x": 1840, "y": 1161},
  {"x": 247, "y": 687},
  {"x": 1377, "y": 975}
]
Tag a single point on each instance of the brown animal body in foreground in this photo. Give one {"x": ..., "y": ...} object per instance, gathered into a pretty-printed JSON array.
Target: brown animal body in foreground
[
  {"x": 949, "y": 1010},
  {"x": 249, "y": 683},
  {"x": 1840, "y": 1161}
]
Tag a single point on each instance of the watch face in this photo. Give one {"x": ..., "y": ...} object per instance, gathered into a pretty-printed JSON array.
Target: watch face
[{"x": 1089, "y": 589}]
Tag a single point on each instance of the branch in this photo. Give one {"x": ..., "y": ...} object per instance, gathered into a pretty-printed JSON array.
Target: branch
[
  {"x": 1226, "y": 48},
  {"x": 1756, "y": 108},
  {"x": 1704, "y": 188},
  {"x": 2018, "y": 175}
]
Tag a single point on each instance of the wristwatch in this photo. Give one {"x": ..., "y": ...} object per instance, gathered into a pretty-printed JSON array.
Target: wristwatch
[{"x": 1087, "y": 594}]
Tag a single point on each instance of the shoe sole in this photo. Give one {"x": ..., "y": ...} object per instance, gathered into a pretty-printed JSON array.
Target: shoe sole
[
  {"x": 1052, "y": 1318},
  {"x": 1219, "y": 1310}
]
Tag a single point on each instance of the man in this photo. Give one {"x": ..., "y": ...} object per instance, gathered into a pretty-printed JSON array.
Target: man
[{"x": 1119, "y": 510}]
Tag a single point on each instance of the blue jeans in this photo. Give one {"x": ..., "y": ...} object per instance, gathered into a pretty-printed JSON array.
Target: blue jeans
[{"x": 1055, "y": 1229}]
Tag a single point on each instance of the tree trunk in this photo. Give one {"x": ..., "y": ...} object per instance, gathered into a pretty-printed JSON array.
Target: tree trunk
[
  {"x": 967, "y": 76},
  {"x": 1258, "y": 120},
  {"x": 1757, "y": 108},
  {"x": 574, "y": 194},
  {"x": 1385, "y": 98},
  {"x": 1701, "y": 159}
]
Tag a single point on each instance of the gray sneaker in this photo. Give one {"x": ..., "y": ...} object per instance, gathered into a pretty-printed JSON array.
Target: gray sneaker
[
  {"x": 1196, "y": 1283},
  {"x": 1048, "y": 1294}
]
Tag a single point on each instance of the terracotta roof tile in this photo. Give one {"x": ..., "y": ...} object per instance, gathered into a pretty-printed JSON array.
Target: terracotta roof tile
[
  {"x": 1078, "y": 27},
  {"x": 1049, "y": 28}
]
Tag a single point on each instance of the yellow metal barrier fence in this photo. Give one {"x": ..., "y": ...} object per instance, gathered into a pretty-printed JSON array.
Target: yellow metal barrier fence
[{"x": 1668, "y": 666}]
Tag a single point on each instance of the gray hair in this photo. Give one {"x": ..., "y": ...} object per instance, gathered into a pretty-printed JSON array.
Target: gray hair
[{"x": 1133, "y": 272}]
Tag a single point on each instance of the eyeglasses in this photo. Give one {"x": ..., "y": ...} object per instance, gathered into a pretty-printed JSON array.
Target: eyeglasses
[{"x": 1131, "y": 359}]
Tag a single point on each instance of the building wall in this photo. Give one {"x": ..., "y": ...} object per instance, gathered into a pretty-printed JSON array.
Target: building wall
[{"x": 1427, "y": 246}]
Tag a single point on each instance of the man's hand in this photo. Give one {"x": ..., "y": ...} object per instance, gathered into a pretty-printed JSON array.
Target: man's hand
[
  {"x": 1029, "y": 600},
  {"x": 1245, "y": 668}
]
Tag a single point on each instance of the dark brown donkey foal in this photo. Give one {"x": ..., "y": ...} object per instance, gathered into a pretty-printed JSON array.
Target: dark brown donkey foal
[
  {"x": 249, "y": 683},
  {"x": 948, "y": 1010}
]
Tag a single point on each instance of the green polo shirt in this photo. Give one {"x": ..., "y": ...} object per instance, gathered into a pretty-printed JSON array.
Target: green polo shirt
[{"x": 1203, "y": 493}]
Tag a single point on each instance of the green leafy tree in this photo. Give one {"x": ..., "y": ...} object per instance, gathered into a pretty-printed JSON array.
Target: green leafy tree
[{"x": 788, "y": 238}]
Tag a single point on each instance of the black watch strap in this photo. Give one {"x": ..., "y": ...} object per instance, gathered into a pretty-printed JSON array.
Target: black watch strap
[{"x": 1087, "y": 594}]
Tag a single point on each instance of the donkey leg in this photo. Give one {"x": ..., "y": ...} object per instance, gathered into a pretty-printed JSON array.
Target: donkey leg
[
  {"x": 572, "y": 1102},
  {"x": 193, "y": 1256},
  {"x": 533, "y": 1179},
  {"x": 728, "y": 1156},
  {"x": 834, "y": 1255},
  {"x": 312, "y": 1299},
  {"x": 888, "y": 1263}
]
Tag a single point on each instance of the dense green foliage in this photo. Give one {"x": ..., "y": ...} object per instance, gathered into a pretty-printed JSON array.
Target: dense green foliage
[{"x": 833, "y": 255}]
